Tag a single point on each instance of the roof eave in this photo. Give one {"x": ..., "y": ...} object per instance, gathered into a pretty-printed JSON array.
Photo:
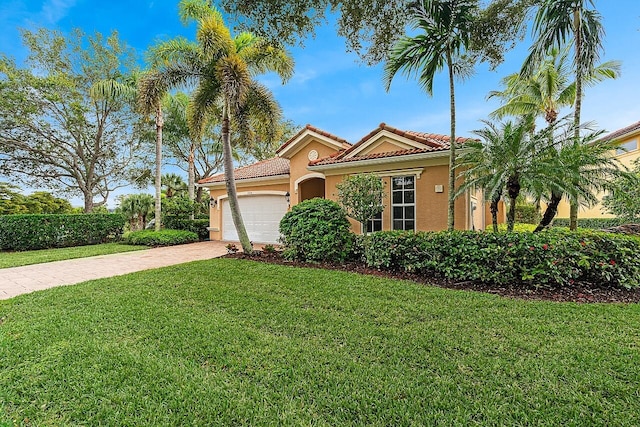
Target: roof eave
[
  {"x": 380, "y": 161},
  {"x": 221, "y": 184}
]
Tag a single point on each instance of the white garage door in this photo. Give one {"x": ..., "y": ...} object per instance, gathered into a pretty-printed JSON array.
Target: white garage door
[{"x": 261, "y": 214}]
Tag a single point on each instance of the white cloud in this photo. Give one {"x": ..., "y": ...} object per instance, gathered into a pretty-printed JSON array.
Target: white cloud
[{"x": 54, "y": 10}]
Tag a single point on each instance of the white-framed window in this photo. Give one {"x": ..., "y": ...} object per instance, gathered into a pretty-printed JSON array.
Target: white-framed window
[
  {"x": 403, "y": 202},
  {"x": 627, "y": 147},
  {"x": 374, "y": 224}
]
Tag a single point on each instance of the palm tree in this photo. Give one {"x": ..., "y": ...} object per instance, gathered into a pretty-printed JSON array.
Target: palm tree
[
  {"x": 544, "y": 93},
  {"x": 222, "y": 68},
  {"x": 128, "y": 90},
  {"x": 557, "y": 23},
  {"x": 585, "y": 169},
  {"x": 173, "y": 185},
  {"x": 136, "y": 208},
  {"x": 446, "y": 26},
  {"x": 508, "y": 157}
]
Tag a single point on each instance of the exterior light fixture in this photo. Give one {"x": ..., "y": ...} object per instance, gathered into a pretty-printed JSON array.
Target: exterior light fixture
[
  {"x": 287, "y": 197},
  {"x": 213, "y": 202}
]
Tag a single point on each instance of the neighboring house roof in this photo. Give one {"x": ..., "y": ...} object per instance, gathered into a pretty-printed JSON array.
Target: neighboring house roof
[
  {"x": 427, "y": 142},
  {"x": 344, "y": 142},
  {"x": 275, "y": 166},
  {"x": 621, "y": 132}
]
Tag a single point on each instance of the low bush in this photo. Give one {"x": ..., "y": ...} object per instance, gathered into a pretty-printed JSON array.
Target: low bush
[
  {"x": 543, "y": 259},
  {"x": 31, "y": 232},
  {"x": 591, "y": 223},
  {"x": 316, "y": 230},
  {"x": 198, "y": 225},
  {"x": 160, "y": 238}
]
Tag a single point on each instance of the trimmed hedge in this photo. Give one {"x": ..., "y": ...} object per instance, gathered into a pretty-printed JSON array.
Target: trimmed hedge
[
  {"x": 31, "y": 232},
  {"x": 543, "y": 259},
  {"x": 316, "y": 230},
  {"x": 198, "y": 226},
  {"x": 160, "y": 238},
  {"x": 591, "y": 223}
]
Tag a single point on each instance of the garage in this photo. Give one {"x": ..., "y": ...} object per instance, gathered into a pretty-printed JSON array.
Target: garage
[{"x": 261, "y": 214}]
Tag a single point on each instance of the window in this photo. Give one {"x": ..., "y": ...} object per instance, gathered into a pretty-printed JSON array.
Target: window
[
  {"x": 627, "y": 146},
  {"x": 403, "y": 202},
  {"x": 375, "y": 223}
]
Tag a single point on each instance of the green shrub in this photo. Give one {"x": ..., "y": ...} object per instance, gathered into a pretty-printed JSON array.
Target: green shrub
[
  {"x": 198, "y": 226},
  {"x": 550, "y": 258},
  {"x": 517, "y": 228},
  {"x": 31, "y": 232},
  {"x": 591, "y": 223},
  {"x": 316, "y": 230},
  {"x": 160, "y": 238},
  {"x": 526, "y": 213}
]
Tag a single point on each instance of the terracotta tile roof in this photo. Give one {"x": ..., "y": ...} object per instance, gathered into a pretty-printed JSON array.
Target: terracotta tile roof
[
  {"x": 270, "y": 167},
  {"x": 431, "y": 141},
  {"x": 333, "y": 160},
  {"x": 621, "y": 132},
  {"x": 336, "y": 138}
]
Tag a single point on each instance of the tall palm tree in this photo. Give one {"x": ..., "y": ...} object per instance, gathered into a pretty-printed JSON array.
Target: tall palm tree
[
  {"x": 446, "y": 26},
  {"x": 128, "y": 90},
  {"x": 558, "y": 23},
  {"x": 544, "y": 93},
  {"x": 222, "y": 69}
]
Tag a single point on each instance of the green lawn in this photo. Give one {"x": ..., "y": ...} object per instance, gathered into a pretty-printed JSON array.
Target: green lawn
[
  {"x": 16, "y": 259},
  {"x": 233, "y": 342}
]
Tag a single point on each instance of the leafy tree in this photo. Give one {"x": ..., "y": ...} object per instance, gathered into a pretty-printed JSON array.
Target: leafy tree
[
  {"x": 362, "y": 197},
  {"x": 558, "y": 24},
  {"x": 128, "y": 91},
  {"x": 623, "y": 199},
  {"x": 445, "y": 27},
  {"x": 11, "y": 201},
  {"x": 371, "y": 27},
  {"x": 41, "y": 202},
  {"x": 222, "y": 68},
  {"x": 53, "y": 132}
]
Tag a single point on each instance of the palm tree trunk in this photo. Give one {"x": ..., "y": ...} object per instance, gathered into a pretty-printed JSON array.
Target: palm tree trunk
[
  {"x": 495, "y": 200},
  {"x": 550, "y": 212},
  {"x": 158, "y": 183},
  {"x": 230, "y": 182},
  {"x": 192, "y": 174},
  {"x": 513, "y": 189},
  {"x": 577, "y": 31},
  {"x": 452, "y": 149}
]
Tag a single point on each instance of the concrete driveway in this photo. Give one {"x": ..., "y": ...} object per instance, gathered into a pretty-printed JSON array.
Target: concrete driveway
[{"x": 29, "y": 278}]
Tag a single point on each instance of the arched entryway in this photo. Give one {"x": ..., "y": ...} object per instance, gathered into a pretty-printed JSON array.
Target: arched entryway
[{"x": 310, "y": 186}]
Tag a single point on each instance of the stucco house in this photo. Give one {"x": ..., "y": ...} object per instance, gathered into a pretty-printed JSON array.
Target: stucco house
[
  {"x": 414, "y": 167},
  {"x": 628, "y": 151}
]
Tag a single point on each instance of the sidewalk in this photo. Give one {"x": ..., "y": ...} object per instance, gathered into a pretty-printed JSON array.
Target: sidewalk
[{"x": 29, "y": 278}]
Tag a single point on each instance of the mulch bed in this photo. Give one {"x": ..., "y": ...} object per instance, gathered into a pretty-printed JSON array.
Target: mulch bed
[{"x": 578, "y": 292}]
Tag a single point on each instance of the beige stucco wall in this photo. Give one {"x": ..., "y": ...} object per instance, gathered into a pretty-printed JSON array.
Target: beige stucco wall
[{"x": 431, "y": 207}]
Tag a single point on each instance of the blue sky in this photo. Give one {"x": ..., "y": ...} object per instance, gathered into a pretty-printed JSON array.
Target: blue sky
[{"x": 332, "y": 89}]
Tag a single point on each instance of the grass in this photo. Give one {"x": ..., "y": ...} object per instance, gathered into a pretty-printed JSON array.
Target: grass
[
  {"x": 233, "y": 342},
  {"x": 17, "y": 259}
]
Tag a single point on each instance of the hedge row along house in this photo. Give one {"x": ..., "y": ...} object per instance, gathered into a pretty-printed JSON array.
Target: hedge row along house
[{"x": 414, "y": 167}]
